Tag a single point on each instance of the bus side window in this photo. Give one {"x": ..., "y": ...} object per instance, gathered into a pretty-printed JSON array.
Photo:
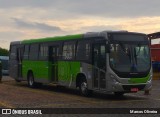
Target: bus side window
[
  {"x": 102, "y": 57},
  {"x": 99, "y": 56},
  {"x": 34, "y": 50},
  {"x": 43, "y": 52},
  {"x": 26, "y": 52},
  {"x": 13, "y": 53},
  {"x": 83, "y": 50},
  {"x": 69, "y": 50}
]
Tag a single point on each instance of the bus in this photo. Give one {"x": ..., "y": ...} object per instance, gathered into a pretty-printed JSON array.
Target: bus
[
  {"x": 4, "y": 61},
  {"x": 114, "y": 62}
]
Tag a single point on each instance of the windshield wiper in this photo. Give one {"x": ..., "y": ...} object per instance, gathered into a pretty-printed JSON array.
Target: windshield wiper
[
  {"x": 128, "y": 52},
  {"x": 139, "y": 45},
  {"x": 137, "y": 53}
]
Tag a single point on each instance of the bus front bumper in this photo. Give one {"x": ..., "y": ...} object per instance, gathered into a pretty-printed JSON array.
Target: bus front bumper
[{"x": 119, "y": 87}]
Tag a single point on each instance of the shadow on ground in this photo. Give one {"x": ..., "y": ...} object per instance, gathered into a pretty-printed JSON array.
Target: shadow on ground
[{"x": 74, "y": 92}]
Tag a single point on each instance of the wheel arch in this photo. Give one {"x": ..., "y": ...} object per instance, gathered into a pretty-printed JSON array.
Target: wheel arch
[
  {"x": 79, "y": 77},
  {"x": 29, "y": 72}
]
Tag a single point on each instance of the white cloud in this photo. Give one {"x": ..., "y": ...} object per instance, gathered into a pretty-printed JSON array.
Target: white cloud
[
  {"x": 35, "y": 25},
  {"x": 25, "y": 19},
  {"x": 103, "y": 8}
]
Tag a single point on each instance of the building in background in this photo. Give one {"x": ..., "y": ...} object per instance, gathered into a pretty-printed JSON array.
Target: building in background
[{"x": 155, "y": 53}]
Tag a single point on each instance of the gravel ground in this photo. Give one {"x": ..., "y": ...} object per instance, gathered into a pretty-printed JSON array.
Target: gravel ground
[{"x": 18, "y": 95}]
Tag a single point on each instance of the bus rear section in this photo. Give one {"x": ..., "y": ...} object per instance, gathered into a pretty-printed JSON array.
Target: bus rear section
[{"x": 15, "y": 60}]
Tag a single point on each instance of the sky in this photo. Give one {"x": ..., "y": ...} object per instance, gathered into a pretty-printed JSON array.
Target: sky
[{"x": 29, "y": 19}]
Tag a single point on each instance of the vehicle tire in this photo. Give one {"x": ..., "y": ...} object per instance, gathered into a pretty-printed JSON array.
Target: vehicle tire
[
  {"x": 83, "y": 87},
  {"x": 118, "y": 94},
  {"x": 31, "y": 82},
  {"x": 17, "y": 80},
  {"x": 38, "y": 85}
]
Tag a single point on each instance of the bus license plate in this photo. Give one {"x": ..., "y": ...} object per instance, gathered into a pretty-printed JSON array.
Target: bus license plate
[{"x": 134, "y": 89}]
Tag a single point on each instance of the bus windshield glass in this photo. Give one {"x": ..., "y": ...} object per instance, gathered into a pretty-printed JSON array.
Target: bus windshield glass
[{"x": 131, "y": 57}]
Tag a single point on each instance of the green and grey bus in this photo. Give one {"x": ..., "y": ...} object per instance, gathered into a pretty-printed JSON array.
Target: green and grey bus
[{"x": 108, "y": 62}]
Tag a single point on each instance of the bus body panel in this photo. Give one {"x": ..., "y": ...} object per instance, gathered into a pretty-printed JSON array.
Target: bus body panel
[
  {"x": 67, "y": 72},
  {"x": 13, "y": 68},
  {"x": 139, "y": 80},
  {"x": 14, "y": 61},
  {"x": 87, "y": 69},
  {"x": 117, "y": 84},
  {"x": 39, "y": 69}
]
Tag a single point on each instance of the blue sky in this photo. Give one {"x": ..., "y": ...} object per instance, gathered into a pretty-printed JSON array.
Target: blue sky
[{"x": 26, "y": 19}]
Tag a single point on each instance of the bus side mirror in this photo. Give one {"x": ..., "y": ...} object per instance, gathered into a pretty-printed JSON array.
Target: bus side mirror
[{"x": 108, "y": 48}]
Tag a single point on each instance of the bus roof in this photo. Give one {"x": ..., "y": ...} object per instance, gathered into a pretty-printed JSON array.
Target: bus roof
[
  {"x": 58, "y": 38},
  {"x": 15, "y": 42},
  {"x": 70, "y": 37}
]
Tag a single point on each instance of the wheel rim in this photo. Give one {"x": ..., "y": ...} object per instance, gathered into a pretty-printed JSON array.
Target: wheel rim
[
  {"x": 84, "y": 87},
  {"x": 30, "y": 80}
]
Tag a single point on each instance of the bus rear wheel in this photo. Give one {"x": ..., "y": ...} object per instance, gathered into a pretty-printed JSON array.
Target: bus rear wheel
[
  {"x": 83, "y": 86},
  {"x": 31, "y": 82}
]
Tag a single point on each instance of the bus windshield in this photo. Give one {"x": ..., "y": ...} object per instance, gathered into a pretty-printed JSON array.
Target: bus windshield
[{"x": 130, "y": 57}]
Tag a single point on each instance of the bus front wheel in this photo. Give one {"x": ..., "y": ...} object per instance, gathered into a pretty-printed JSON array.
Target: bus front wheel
[{"x": 83, "y": 86}]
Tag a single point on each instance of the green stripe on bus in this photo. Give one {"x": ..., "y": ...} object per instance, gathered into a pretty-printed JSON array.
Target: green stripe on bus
[
  {"x": 139, "y": 80},
  {"x": 40, "y": 69},
  {"x": 68, "y": 70},
  {"x": 49, "y": 39}
]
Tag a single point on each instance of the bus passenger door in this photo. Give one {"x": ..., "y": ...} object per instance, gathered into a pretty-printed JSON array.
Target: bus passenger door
[
  {"x": 19, "y": 60},
  {"x": 53, "y": 56},
  {"x": 15, "y": 62},
  {"x": 99, "y": 66}
]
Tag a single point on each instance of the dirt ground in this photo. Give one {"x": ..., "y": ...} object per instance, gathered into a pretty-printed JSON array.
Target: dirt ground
[{"x": 19, "y": 95}]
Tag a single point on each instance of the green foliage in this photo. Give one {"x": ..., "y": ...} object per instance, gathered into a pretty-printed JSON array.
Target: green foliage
[{"x": 4, "y": 52}]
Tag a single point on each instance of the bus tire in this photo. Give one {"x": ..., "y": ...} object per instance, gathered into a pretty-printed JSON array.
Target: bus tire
[
  {"x": 118, "y": 94},
  {"x": 83, "y": 87},
  {"x": 38, "y": 85},
  {"x": 17, "y": 80},
  {"x": 31, "y": 82}
]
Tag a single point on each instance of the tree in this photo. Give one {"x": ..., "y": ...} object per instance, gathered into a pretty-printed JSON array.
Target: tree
[{"x": 4, "y": 52}]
